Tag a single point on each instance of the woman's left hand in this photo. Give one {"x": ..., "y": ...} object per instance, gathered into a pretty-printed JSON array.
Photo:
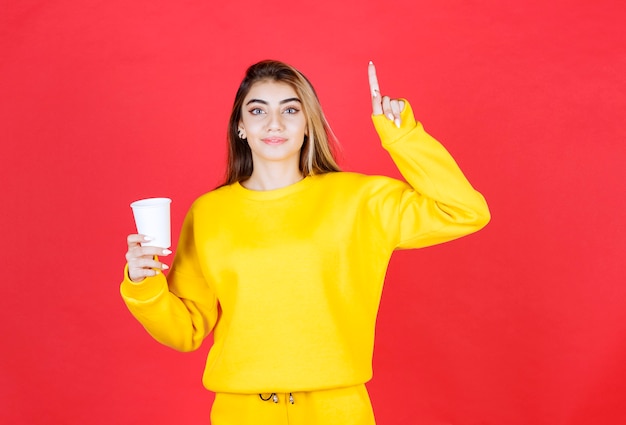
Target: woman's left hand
[{"x": 383, "y": 104}]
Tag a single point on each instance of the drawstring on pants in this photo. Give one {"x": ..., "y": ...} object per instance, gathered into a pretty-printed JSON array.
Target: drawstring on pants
[{"x": 274, "y": 398}]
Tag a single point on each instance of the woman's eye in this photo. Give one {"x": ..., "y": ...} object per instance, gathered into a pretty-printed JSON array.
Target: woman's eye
[
  {"x": 256, "y": 111},
  {"x": 291, "y": 110}
]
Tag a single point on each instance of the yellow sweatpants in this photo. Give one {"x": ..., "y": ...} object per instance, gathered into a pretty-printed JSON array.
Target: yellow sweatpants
[{"x": 341, "y": 406}]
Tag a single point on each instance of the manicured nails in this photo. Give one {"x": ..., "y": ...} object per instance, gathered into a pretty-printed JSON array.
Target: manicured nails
[
  {"x": 166, "y": 252},
  {"x": 147, "y": 238},
  {"x": 164, "y": 266},
  {"x": 397, "y": 122}
]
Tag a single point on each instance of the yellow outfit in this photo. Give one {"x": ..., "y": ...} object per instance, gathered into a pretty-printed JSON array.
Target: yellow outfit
[{"x": 290, "y": 279}]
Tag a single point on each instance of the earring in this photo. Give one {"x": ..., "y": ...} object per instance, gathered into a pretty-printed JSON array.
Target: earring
[{"x": 241, "y": 135}]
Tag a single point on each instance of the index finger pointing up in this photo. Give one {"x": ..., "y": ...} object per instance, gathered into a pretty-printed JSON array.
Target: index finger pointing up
[
  {"x": 371, "y": 73},
  {"x": 377, "y": 105}
]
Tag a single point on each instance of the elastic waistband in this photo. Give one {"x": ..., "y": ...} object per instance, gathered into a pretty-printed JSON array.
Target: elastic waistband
[{"x": 274, "y": 398}]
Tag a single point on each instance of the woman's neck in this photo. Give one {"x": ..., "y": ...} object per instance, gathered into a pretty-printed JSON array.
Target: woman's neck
[{"x": 270, "y": 178}]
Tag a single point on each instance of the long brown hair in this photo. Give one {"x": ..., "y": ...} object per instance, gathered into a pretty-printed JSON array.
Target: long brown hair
[{"x": 317, "y": 154}]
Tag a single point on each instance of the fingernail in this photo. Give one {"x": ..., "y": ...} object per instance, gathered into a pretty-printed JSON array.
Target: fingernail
[
  {"x": 397, "y": 121},
  {"x": 166, "y": 252},
  {"x": 390, "y": 116},
  {"x": 147, "y": 238},
  {"x": 371, "y": 63},
  {"x": 164, "y": 266}
]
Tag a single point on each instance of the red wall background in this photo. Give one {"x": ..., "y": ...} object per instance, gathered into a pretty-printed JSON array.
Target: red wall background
[{"x": 102, "y": 103}]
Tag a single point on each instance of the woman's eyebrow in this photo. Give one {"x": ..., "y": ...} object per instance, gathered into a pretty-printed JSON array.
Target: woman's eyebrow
[{"x": 264, "y": 102}]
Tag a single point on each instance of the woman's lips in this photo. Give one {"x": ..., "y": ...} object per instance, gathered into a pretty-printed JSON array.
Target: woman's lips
[{"x": 274, "y": 140}]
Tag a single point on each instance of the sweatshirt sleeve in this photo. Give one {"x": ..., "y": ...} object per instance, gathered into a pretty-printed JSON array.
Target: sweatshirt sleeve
[
  {"x": 178, "y": 311},
  {"x": 438, "y": 204}
]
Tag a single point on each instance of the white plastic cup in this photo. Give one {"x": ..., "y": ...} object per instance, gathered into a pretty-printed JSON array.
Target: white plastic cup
[{"x": 152, "y": 218}]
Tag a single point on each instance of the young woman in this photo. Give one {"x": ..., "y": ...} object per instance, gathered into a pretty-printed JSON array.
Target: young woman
[{"x": 285, "y": 262}]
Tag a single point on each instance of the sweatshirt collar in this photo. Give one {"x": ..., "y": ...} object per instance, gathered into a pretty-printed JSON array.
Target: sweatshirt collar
[{"x": 265, "y": 195}]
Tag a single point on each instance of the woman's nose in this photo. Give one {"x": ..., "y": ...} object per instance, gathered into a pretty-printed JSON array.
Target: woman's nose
[{"x": 275, "y": 121}]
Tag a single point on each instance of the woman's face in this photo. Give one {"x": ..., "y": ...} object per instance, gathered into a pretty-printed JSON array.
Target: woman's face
[{"x": 274, "y": 124}]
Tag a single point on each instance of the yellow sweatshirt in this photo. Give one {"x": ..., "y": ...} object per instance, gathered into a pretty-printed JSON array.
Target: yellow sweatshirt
[{"x": 290, "y": 279}]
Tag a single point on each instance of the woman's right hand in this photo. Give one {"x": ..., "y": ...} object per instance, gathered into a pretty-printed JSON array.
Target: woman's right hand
[{"x": 142, "y": 260}]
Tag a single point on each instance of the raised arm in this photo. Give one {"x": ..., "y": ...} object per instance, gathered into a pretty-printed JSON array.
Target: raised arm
[{"x": 438, "y": 204}]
